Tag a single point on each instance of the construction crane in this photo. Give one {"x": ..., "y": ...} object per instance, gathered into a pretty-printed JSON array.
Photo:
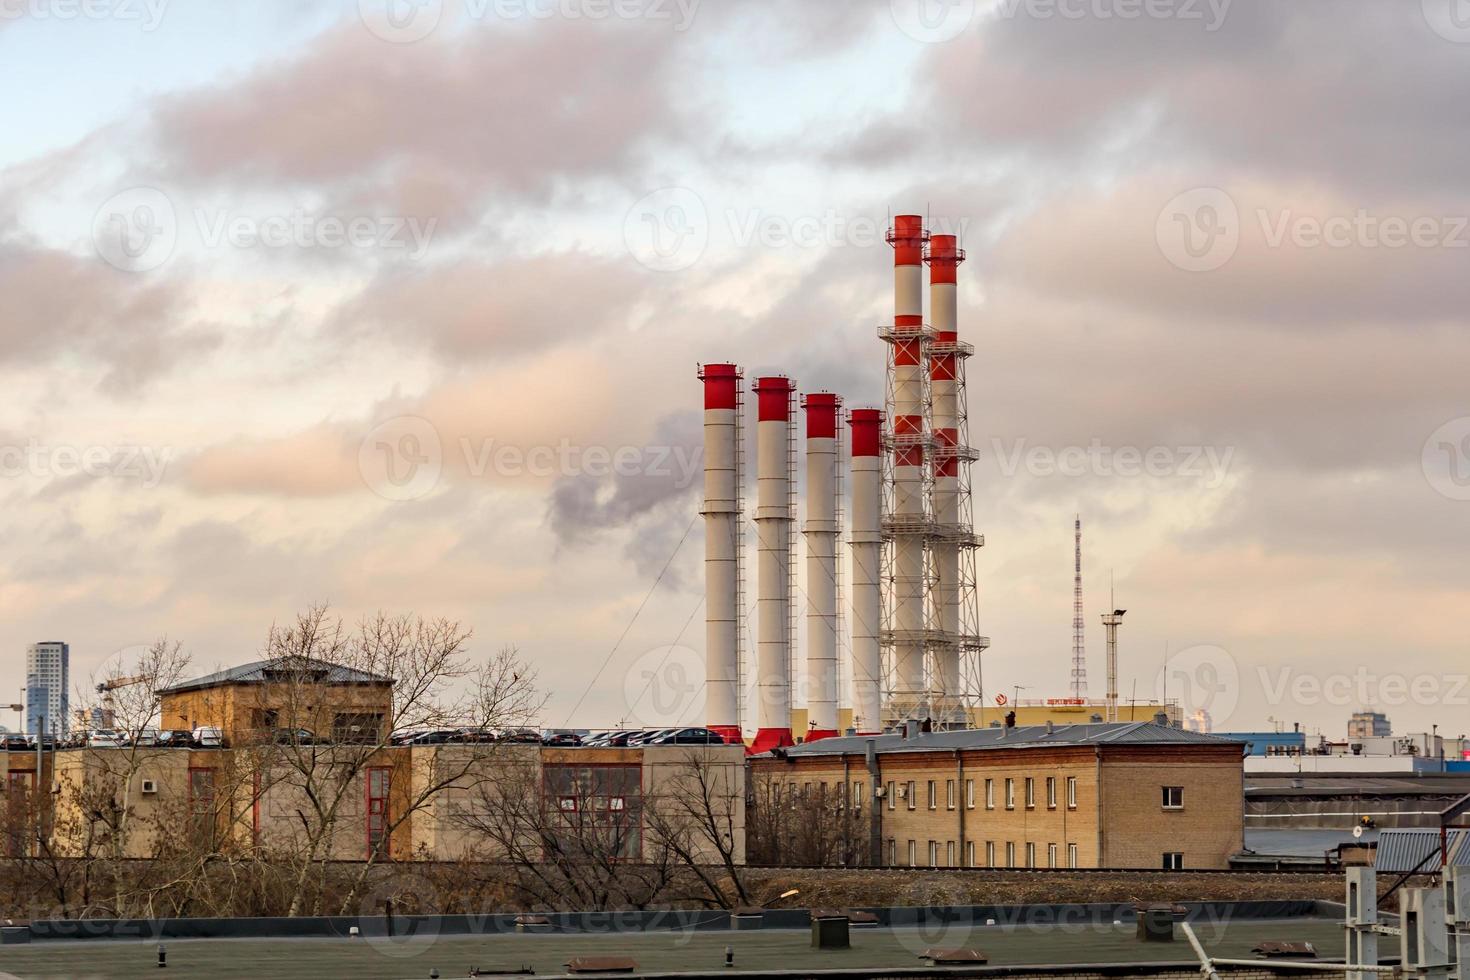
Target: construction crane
[{"x": 105, "y": 688}]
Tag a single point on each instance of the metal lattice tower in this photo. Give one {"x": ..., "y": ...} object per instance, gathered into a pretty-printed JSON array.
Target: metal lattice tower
[{"x": 1079, "y": 654}]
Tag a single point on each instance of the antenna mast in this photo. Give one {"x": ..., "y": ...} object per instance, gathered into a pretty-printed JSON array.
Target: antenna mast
[{"x": 1079, "y": 656}]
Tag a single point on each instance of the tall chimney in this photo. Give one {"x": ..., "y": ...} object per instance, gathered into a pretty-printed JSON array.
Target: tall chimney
[
  {"x": 944, "y": 258},
  {"x": 867, "y": 568},
  {"x": 774, "y": 521},
  {"x": 722, "y": 516},
  {"x": 908, "y": 523},
  {"x": 821, "y": 563},
  {"x": 1112, "y": 621}
]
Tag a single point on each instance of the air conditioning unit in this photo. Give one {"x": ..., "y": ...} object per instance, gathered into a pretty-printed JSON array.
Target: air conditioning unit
[
  {"x": 150, "y": 786},
  {"x": 903, "y": 791},
  {"x": 878, "y": 792}
]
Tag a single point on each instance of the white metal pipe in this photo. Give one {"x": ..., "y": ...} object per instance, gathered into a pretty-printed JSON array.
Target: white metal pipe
[
  {"x": 721, "y": 536},
  {"x": 867, "y": 560},
  {"x": 773, "y": 520},
  {"x": 821, "y": 563},
  {"x": 909, "y": 435}
]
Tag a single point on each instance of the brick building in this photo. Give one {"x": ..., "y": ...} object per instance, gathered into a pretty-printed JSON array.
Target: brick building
[{"x": 1130, "y": 795}]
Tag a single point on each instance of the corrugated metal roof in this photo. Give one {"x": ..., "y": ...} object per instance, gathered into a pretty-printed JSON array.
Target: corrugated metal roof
[
  {"x": 1029, "y": 736},
  {"x": 1401, "y": 850},
  {"x": 260, "y": 671}
]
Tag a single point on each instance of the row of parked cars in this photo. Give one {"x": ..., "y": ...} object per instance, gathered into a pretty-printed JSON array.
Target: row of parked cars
[
  {"x": 112, "y": 738},
  {"x": 620, "y": 738},
  {"x": 212, "y": 738}
]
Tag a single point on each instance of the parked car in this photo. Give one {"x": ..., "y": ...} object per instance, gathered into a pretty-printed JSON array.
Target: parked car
[
  {"x": 520, "y": 736},
  {"x": 472, "y": 736},
  {"x": 687, "y": 736},
  {"x": 436, "y": 737},
  {"x": 208, "y": 737},
  {"x": 561, "y": 739},
  {"x": 49, "y": 743},
  {"x": 105, "y": 738},
  {"x": 626, "y": 738},
  {"x": 294, "y": 736},
  {"x": 174, "y": 738},
  {"x": 15, "y": 742}
]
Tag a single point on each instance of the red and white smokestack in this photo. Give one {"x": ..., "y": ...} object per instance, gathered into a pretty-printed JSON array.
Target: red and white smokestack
[
  {"x": 944, "y": 257},
  {"x": 867, "y": 568},
  {"x": 908, "y": 438},
  {"x": 722, "y": 505},
  {"x": 774, "y": 514},
  {"x": 821, "y": 563}
]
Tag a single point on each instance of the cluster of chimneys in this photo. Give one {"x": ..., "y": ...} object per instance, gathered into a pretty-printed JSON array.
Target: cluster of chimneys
[{"x": 925, "y": 532}]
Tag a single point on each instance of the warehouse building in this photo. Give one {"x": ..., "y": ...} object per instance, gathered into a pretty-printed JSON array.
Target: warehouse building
[{"x": 1128, "y": 795}]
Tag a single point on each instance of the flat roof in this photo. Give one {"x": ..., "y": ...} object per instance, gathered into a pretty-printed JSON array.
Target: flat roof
[
  {"x": 1025, "y": 736},
  {"x": 789, "y": 950}
]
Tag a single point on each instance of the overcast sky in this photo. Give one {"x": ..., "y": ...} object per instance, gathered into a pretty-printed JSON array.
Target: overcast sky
[{"x": 400, "y": 306}]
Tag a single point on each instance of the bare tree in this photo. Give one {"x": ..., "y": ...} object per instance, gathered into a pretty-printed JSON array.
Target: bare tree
[
  {"x": 332, "y": 700},
  {"x": 698, "y": 815},
  {"x": 572, "y": 835},
  {"x": 804, "y": 824}
]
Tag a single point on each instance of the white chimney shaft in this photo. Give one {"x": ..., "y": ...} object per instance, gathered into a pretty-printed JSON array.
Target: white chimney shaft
[
  {"x": 821, "y": 563},
  {"x": 773, "y": 526},
  {"x": 867, "y": 561},
  {"x": 909, "y": 438},
  {"x": 944, "y": 257},
  {"x": 722, "y": 517}
]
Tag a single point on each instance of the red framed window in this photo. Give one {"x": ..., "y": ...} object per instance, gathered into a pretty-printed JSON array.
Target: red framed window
[{"x": 378, "y": 781}]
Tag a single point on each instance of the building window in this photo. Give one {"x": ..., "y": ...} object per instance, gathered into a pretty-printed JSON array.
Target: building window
[
  {"x": 1010, "y": 854},
  {"x": 990, "y": 854},
  {"x": 377, "y": 810},
  {"x": 969, "y": 794},
  {"x": 892, "y": 852},
  {"x": 1051, "y": 792},
  {"x": 949, "y": 855},
  {"x": 933, "y": 796},
  {"x": 596, "y": 807},
  {"x": 990, "y": 794},
  {"x": 1173, "y": 860},
  {"x": 1051, "y": 855},
  {"x": 888, "y": 792},
  {"x": 969, "y": 854},
  {"x": 201, "y": 807},
  {"x": 949, "y": 794},
  {"x": 1071, "y": 855},
  {"x": 1173, "y": 797},
  {"x": 1071, "y": 792},
  {"x": 911, "y": 795},
  {"x": 913, "y": 854},
  {"x": 1010, "y": 793},
  {"x": 18, "y": 836},
  {"x": 1030, "y": 793},
  {"x": 933, "y": 854},
  {"x": 1030, "y": 855},
  {"x": 857, "y": 797}
]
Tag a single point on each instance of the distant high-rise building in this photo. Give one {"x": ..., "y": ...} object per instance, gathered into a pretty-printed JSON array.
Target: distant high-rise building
[
  {"x": 48, "y": 679},
  {"x": 1368, "y": 724}
]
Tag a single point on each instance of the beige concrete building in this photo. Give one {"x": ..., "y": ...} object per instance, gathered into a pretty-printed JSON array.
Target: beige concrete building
[{"x": 1131, "y": 795}]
